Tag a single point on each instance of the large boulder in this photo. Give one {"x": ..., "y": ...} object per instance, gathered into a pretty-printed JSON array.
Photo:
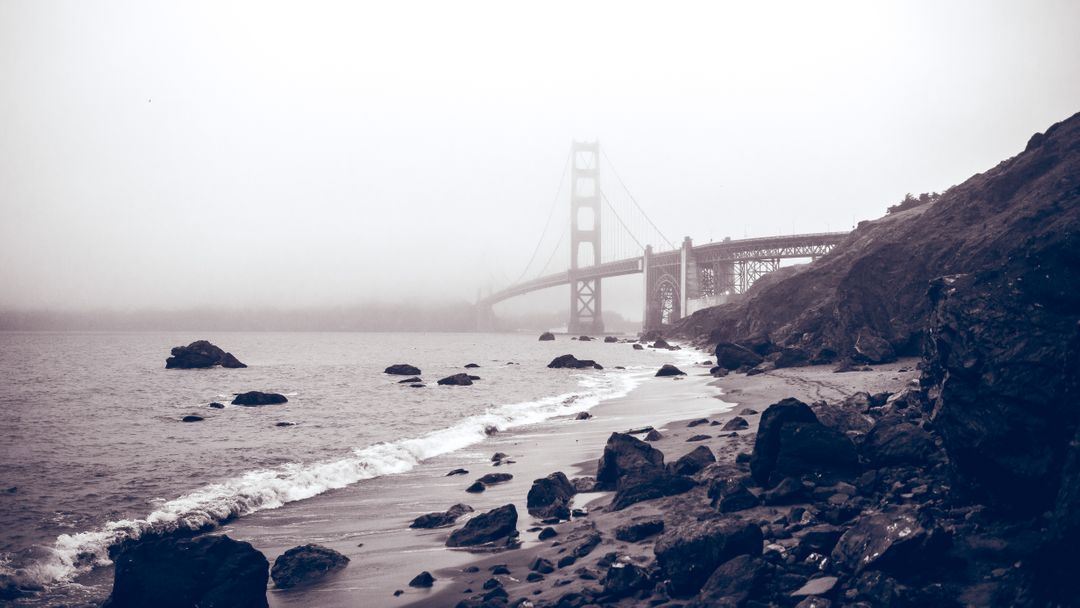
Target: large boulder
[
  {"x": 669, "y": 370},
  {"x": 204, "y": 572},
  {"x": 486, "y": 528},
  {"x": 441, "y": 518},
  {"x": 456, "y": 380},
  {"x": 624, "y": 457},
  {"x": 256, "y": 398},
  {"x": 767, "y": 442},
  {"x": 305, "y": 564},
  {"x": 813, "y": 448},
  {"x": 732, "y": 356},
  {"x": 624, "y": 579},
  {"x": 659, "y": 486},
  {"x": 550, "y": 497},
  {"x": 692, "y": 462},
  {"x": 892, "y": 441},
  {"x": 572, "y": 362},
  {"x": 895, "y": 542},
  {"x": 688, "y": 554},
  {"x": 200, "y": 354},
  {"x": 547, "y": 336},
  {"x": 872, "y": 348},
  {"x": 402, "y": 369},
  {"x": 733, "y": 583}
]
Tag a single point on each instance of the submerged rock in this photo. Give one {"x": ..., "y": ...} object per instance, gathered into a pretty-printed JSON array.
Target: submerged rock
[
  {"x": 200, "y": 354},
  {"x": 457, "y": 380},
  {"x": 494, "y": 478},
  {"x": 572, "y": 362},
  {"x": 547, "y": 336},
  {"x": 211, "y": 571},
  {"x": 305, "y": 564},
  {"x": 669, "y": 370},
  {"x": 192, "y": 418},
  {"x": 402, "y": 369},
  {"x": 256, "y": 398}
]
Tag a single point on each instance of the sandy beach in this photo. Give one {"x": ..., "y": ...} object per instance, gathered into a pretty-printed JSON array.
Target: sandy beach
[{"x": 460, "y": 575}]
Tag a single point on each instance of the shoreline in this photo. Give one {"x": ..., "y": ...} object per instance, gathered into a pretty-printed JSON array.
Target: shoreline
[{"x": 737, "y": 392}]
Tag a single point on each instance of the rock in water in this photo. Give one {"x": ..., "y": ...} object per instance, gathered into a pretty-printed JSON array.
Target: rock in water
[
  {"x": 191, "y": 418},
  {"x": 572, "y": 362},
  {"x": 457, "y": 380},
  {"x": 669, "y": 370},
  {"x": 403, "y": 369},
  {"x": 550, "y": 497},
  {"x": 304, "y": 564},
  {"x": 200, "y": 354},
  {"x": 486, "y": 528},
  {"x": 547, "y": 336},
  {"x": 442, "y": 518},
  {"x": 209, "y": 571},
  {"x": 688, "y": 554},
  {"x": 493, "y": 478},
  {"x": 610, "y": 339},
  {"x": 255, "y": 398}
]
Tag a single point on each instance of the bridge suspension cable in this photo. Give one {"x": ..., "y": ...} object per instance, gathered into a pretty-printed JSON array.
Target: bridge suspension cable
[
  {"x": 618, "y": 178},
  {"x": 547, "y": 222}
]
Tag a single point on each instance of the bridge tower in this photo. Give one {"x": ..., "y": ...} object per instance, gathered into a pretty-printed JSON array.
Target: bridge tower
[{"x": 585, "y": 302}]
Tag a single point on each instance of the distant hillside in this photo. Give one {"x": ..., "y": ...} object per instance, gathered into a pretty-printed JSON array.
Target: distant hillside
[{"x": 875, "y": 283}]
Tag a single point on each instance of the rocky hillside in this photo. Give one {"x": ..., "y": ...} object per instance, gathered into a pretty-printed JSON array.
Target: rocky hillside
[{"x": 875, "y": 284}]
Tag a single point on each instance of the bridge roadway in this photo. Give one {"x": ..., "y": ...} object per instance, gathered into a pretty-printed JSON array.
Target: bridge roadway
[{"x": 764, "y": 248}]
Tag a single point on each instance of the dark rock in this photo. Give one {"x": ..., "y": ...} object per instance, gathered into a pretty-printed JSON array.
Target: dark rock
[
  {"x": 893, "y": 542},
  {"x": 566, "y": 560},
  {"x": 572, "y": 362},
  {"x": 550, "y": 496},
  {"x": 210, "y": 571},
  {"x": 733, "y": 583},
  {"x": 819, "y": 539},
  {"x": 493, "y": 478},
  {"x": 732, "y": 356},
  {"x": 738, "y": 423},
  {"x": 624, "y": 579},
  {"x": 583, "y": 416},
  {"x": 424, "y": 580},
  {"x": 498, "y": 569},
  {"x": 871, "y": 348},
  {"x": 610, "y": 339},
  {"x": 627, "y": 457},
  {"x": 217, "y": 406},
  {"x": 648, "y": 489},
  {"x": 730, "y": 494},
  {"x": 402, "y": 369},
  {"x": 790, "y": 440},
  {"x": 586, "y": 546},
  {"x": 894, "y": 442},
  {"x": 584, "y": 339},
  {"x": 639, "y": 347},
  {"x": 788, "y": 491},
  {"x": 284, "y": 424},
  {"x": 413, "y": 380},
  {"x": 547, "y": 533},
  {"x": 639, "y": 530},
  {"x": 718, "y": 372},
  {"x": 456, "y": 380},
  {"x": 255, "y": 398},
  {"x": 534, "y": 577},
  {"x": 584, "y": 484},
  {"x": 669, "y": 370},
  {"x": 688, "y": 554},
  {"x": 547, "y": 336},
  {"x": 541, "y": 565},
  {"x": 849, "y": 418},
  {"x": 458, "y": 472},
  {"x": 200, "y": 354},
  {"x": 442, "y": 518},
  {"x": 471, "y": 366},
  {"x": 653, "y": 435},
  {"x": 790, "y": 357},
  {"x": 192, "y": 418},
  {"x": 486, "y": 528},
  {"x": 497, "y": 456},
  {"x": 476, "y": 487},
  {"x": 474, "y": 378},
  {"x": 698, "y": 422},
  {"x": 748, "y": 411},
  {"x": 697, "y": 459},
  {"x": 661, "y": 343},
  {"x": 698, "y": 437},
  {"x": 304, "y": 564},
  {"x": 416, "y": 385}
]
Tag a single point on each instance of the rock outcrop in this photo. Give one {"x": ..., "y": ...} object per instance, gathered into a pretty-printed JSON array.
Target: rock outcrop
[
  {"x": 402, "y": 369},
  {"x": 305, "y": 564},
  {"x": 209, "y": 571},
  {"x": 200, "y": 354},
  {"x": 689, "y": 554},
  {"x": 550, "y": 497},
  {"x": 572, "y": 362},
  {"x": 256, "y": 398}
]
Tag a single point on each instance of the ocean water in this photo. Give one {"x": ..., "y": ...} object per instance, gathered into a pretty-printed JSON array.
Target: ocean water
[{"x": 94, "y": 452}]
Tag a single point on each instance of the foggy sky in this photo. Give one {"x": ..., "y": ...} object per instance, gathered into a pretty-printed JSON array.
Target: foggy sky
[{"x": 293, "y": 154}]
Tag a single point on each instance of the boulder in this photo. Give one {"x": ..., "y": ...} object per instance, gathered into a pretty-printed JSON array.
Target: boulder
[
  {"x": 572, "y": 362},
  {"x": 456, "y": 380},
  {"x": 669, "y": 370},
  {"x": 639, "y": 530},
  {"x": 738, "y": 423},
  {"x": 688, "y": 554},
  {"x": 732, "y": 356},
  {"x": 748, "y": 411},
  {"x": 217, "y": 406},
  {"x": 692, "y": 462},
  {"x": 790, "y": 357},
  {"x": 698, "y": 437},
  {"x": 547, "y": 336},
  {"x": 486, "y": 528},
  {"x": 192, "y": 418},
  {"x": 638, "y": 347},
  {"x": 550, "y": 497},
  {"x": 457, "y": 472},
  {"x": 638, "y": 489},
  {"x": 661, "y": 343},
  {"x": 547, "y": 533},
  {"x": 542, "y": 565},
  {"x": 697, "y": 422},
  {"x": 624, "y": 579},
  {"x": 256, "y": 398},
  {"x": 304, "y": 564},
  {"x": 733, "y": 583},
  {"x": 441, "y": 518},
  {"x": 730, "y": 494},
  {"x": 871, "y": 348},
  {"x": 893, "y": 442},
  {"x": 893, "y": 542},
  {"x": 471, "y": 365},
  {"x": 413, "y": 380},
  {"x": 788, "y": 491},
  {"x": 200, "y": 354},
  {"x": 476, "y": 487},
  {"x": 789, "y": 434},
  {"x": 583, "y": 416},
  {"x": 627, "y": 457},
  {"x": 210, "y": 571},
  {"x": 424, "y": 580},
  {"x": 493, "y": 478},
  {"x": 403, "y": 369},
  {"x": 584, "y": 339},
  {"x": 610, "y": 339},
  {"x": 653, "y": 435}
]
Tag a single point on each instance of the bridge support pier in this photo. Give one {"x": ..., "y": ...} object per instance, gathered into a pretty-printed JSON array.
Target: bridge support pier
[{"x": 586, "y": 312}]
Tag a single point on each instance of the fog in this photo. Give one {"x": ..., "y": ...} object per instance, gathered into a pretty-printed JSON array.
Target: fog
[{"x": 236, "y": 155}]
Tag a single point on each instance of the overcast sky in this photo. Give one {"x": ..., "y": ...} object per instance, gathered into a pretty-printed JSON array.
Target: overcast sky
[{"x": 292, "y": 154}]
